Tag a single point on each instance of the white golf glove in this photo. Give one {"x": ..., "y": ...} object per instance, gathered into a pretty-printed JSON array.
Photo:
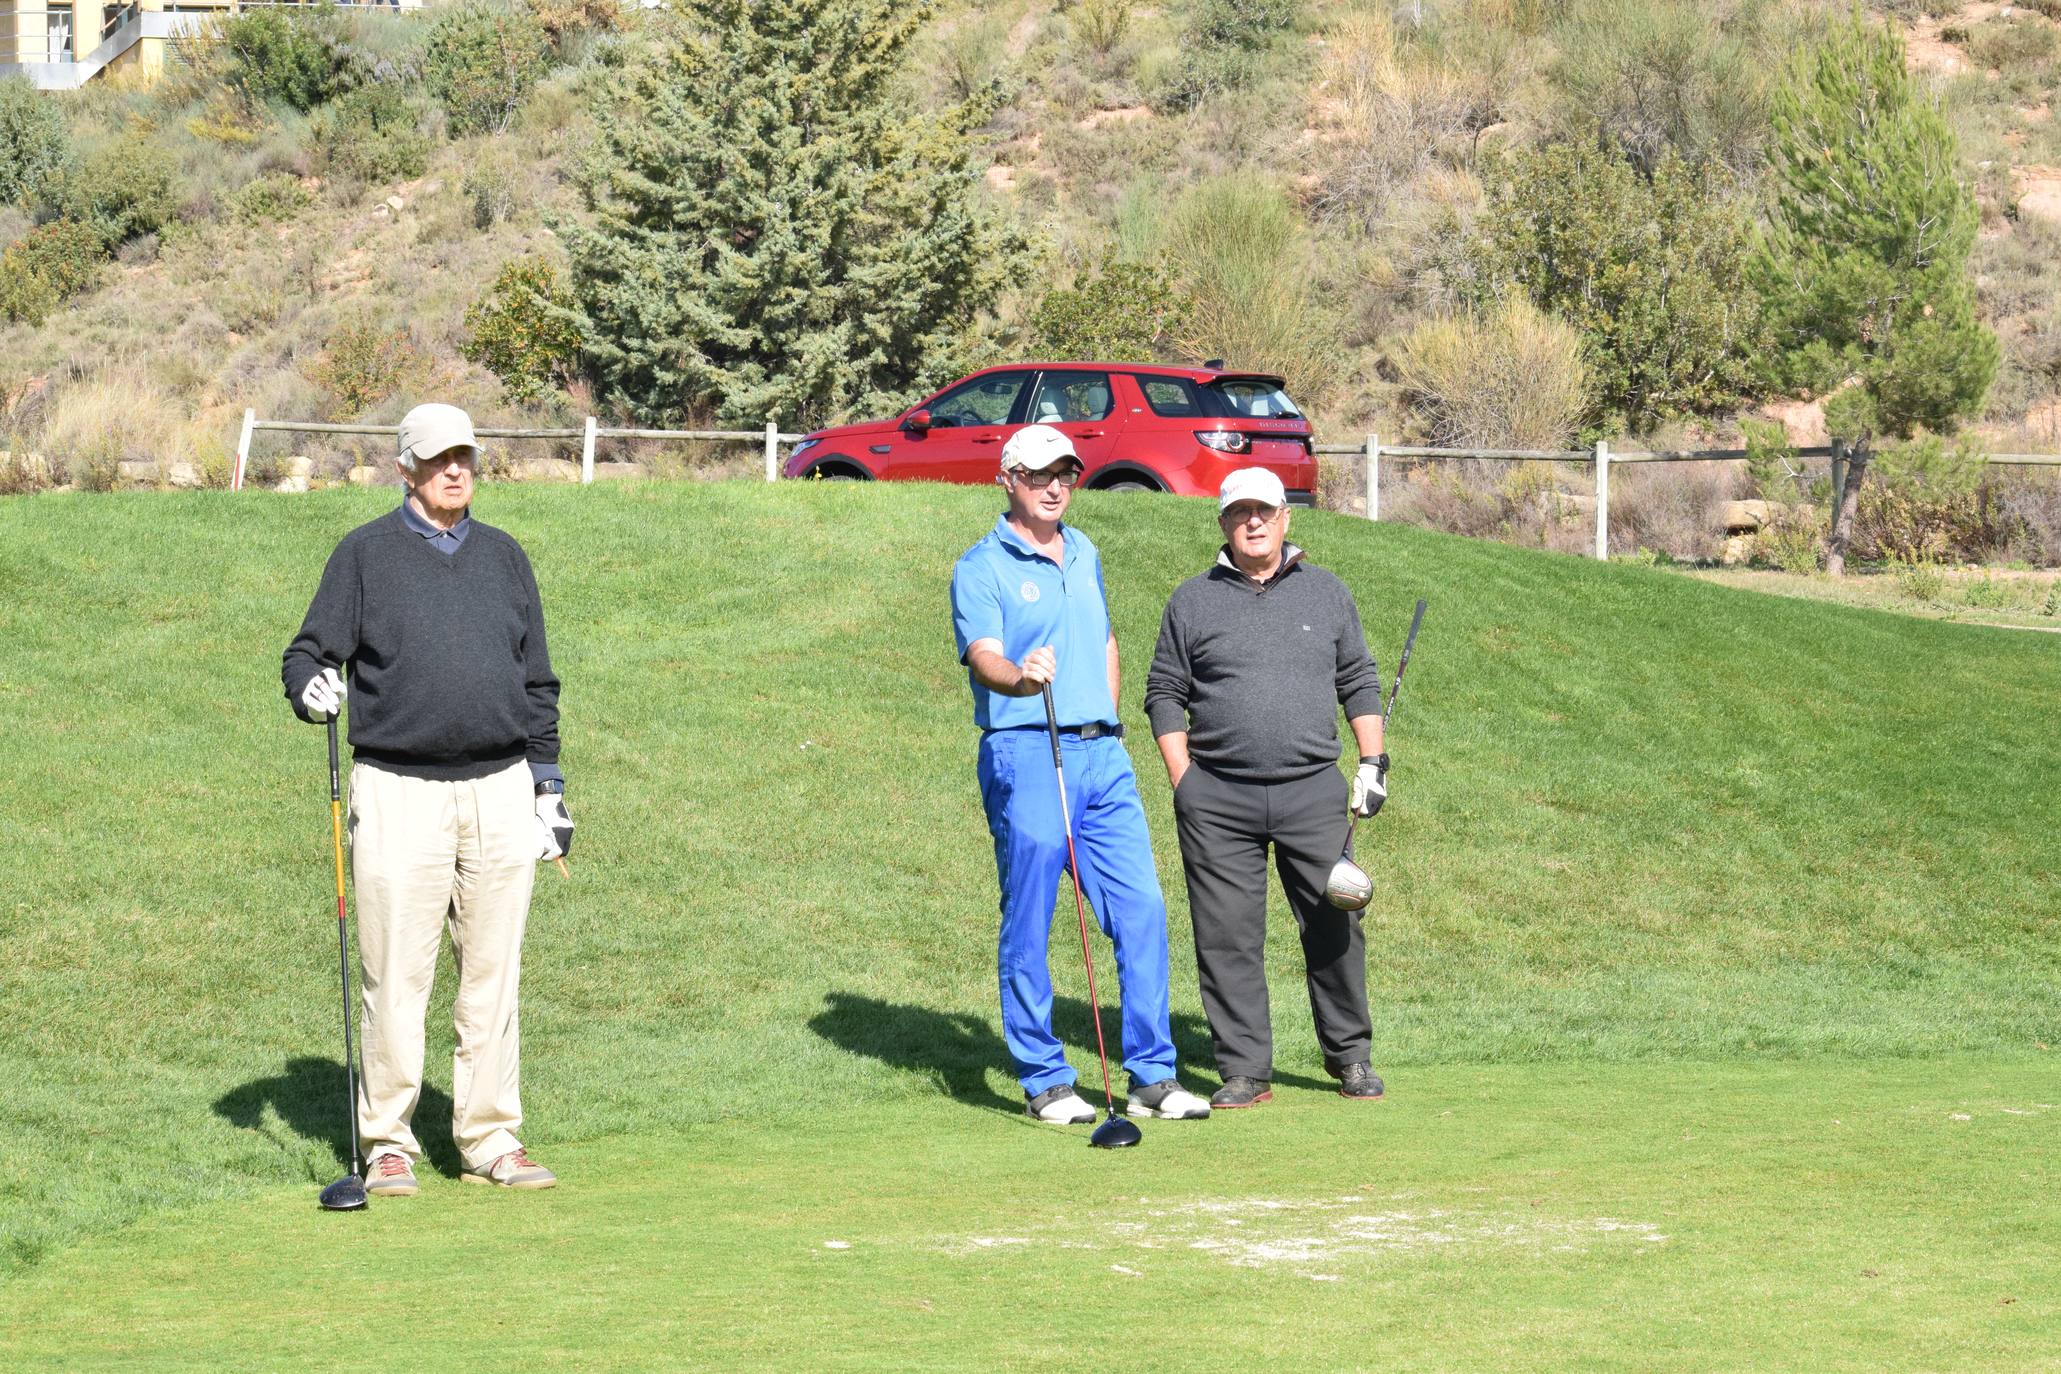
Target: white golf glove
[
  {"x": 324, "y": 695},
  {"x": 554, "y": 826},
  {"x": 1370, "y": 786}
]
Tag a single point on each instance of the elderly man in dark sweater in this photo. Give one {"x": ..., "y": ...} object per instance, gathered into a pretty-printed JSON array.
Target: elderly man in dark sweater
[
  {"x": 1255, "y": 658},
  {"x": 455, "y": 792}
]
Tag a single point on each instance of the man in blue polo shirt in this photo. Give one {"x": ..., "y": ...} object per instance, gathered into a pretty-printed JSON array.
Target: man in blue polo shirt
[{"x": 1027, "y": 610}]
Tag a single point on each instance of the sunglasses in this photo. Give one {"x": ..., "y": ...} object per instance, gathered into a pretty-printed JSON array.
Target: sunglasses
[{"x": 1038, "y": 481}]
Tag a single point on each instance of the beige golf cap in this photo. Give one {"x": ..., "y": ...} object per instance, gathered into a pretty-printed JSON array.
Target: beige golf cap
[
  {"x": 1252, "y": 484},
  {"x": 429, "y": 430},
  {"x": 1035, "y": 447}
]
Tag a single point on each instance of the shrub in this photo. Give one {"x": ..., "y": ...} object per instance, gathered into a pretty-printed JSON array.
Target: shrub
[
  {"x": 1919, "y": 578},
  {"x": 1669, "y": 75},
  {"x": 49, "y": 265},
  {"x": 2012, "y": 42},
  {"x": 1512, "y": 379},
  {"x": 26, "y": 297},
  {"x": 480, "y": 63},
  {"x": 301, "y": 60},
  {"x": 1243, "y": 257},
  {"x": 363, "y": 364},
  {"x": 32, "y": 139},
  {"x": 523, "y": 329},
  {"x": 1792, "y": 540},
  {"x": 122, "y": 191},
  {"x": 1126, "y": 313},
  {"x": 371, "y": 135},
  {"x": 490, "y": 186},
  {"x": 271, "y": 199},
  {"x": 565, "y": 20},
  {"x": 1100, "y": 24},
  {"x": 1650, "y": 271},
  {"x": 119, "y": 414},
  {"x": 1676, "y": 509},
  {"x": 1224, "y": 41}
]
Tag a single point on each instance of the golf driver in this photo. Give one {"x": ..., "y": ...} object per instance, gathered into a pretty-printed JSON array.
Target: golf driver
[
  {"x": 1349, "y": 888},
  {"x": 347, "y": 1194},
  {"x": 1118, "y": 1131}
]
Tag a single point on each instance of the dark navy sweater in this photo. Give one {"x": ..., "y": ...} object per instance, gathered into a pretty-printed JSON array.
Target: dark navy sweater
[{"x": 449, "y": 675}]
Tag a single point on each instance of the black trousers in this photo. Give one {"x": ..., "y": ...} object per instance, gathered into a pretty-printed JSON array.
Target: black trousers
[{"x": 1226, "y": 828}]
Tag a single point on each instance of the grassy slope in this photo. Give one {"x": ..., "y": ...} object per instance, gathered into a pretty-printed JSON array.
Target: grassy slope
[{"x": 1637, "y": 818}]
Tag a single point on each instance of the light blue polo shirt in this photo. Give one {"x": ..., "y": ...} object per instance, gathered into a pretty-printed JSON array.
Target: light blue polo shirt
[{"x": 1004, "y": 590}]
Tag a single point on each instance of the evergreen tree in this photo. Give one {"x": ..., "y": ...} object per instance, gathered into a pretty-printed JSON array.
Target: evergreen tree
[
  {"x": 1863, "y": 265},
  {"x": 778, "y": 232}
]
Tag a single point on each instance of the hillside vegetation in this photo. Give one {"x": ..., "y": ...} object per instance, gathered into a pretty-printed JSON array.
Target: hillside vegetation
[{"x": 329, "y": 217}]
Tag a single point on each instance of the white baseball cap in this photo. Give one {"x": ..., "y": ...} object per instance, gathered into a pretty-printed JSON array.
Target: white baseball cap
[
  {"x": 1252, "y": 484},
  {"x": 1035, "y": 447},
  {"x": 429, "y": 430}
]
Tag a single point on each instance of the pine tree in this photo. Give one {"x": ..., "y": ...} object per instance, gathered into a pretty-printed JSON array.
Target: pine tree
[
  {"x": 778, "y": 232},
  {"x": 1863, "y": 264}
]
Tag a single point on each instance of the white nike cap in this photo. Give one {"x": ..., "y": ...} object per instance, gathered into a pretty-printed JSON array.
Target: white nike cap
[
  {"x": 1035, "y": 447},
  {"x": 1252, "y": 484}
]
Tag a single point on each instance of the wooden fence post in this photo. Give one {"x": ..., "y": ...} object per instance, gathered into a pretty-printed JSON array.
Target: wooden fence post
[
  {"x": 250, "y": 420},
  {"x": 587, "y": 453},
  {"x": 1373, "y": 476},
  {"x": 772, "y": 452},
  {"x": 1602, "y": 499}
]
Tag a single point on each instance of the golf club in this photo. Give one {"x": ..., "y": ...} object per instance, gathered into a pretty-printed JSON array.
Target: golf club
[
  {"x": 347, "y": 1194},
  {"x": 1118, "y": 1131},
  {"x": 1349, "y": 888}
]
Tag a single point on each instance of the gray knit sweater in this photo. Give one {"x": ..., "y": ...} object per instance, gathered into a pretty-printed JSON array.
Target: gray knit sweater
[{"x": 1255, "y": 674}]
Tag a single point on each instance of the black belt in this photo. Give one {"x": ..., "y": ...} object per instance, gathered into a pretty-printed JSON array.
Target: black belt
[{"x": 1094, "y": 729}]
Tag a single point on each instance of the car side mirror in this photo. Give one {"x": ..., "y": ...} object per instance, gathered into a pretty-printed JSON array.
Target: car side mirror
[{"x": 918, "y": 421}]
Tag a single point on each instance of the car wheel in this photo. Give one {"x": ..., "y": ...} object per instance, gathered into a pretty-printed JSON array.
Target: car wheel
[{"x": 1129, "y": 484}]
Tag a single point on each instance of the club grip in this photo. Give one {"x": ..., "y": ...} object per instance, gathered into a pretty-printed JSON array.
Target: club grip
[
  {"x": 335, "y": 788},
  {"x": 1051, "y": 722}
]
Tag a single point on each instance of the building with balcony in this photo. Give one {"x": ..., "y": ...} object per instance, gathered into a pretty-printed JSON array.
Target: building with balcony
[{"x": 62, "y": 44}]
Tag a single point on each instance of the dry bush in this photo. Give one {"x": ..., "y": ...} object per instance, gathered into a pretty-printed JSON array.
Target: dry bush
[
  {"x": 1671, "y": 508},
  {"x": 1514, "y": 379},
  {"x": 1525, "y": 503},
  {"x": 118, "y": 414},
  {"x": 1384, "y": 123},
  {"x": 2031, "y": 498}
]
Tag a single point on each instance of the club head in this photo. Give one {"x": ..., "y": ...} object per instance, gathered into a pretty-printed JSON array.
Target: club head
[
  {"x": 1117, "y": 1133},
  {"x": 347, "y": 1194},
  {"x": 1348, "y": 888}
]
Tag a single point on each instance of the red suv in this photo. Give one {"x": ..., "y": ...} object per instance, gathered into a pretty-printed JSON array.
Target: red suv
[{"x": 1136, "y": 428}]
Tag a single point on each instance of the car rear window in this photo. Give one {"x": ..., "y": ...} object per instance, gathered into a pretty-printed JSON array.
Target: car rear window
[{"x": 1257, "y": 398}]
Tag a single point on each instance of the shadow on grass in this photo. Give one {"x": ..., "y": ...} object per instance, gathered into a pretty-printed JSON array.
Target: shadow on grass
[
  {"x": 957, "y": 1049},
  {"x": 309, "y": 1095}
]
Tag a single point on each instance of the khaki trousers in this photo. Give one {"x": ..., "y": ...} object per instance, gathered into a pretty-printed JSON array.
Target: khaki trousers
[{"x": 427, "y": 856}]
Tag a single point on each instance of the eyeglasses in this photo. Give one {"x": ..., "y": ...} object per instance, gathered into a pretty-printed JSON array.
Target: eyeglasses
[
  {"x": 1245, "y": 515},
  {"x": 1038, "y": 481}
]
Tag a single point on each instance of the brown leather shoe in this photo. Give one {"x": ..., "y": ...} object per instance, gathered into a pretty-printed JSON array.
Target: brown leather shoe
[{"x": 513, "y": 1170}]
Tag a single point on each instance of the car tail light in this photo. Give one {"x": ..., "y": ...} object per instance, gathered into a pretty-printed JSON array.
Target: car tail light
[{"x": 1224, "y": 440}]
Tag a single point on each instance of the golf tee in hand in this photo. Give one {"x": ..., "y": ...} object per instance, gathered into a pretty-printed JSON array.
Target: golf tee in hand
[{"x": 554, "y": 826}]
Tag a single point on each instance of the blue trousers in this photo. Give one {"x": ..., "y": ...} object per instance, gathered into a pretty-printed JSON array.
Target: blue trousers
[{"x": 1019, "y": 788}]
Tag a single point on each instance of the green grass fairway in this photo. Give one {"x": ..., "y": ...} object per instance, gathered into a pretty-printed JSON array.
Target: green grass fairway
[
  {"x": 1716, "y": 961},
  {"x": 1627, "y": 1218}
]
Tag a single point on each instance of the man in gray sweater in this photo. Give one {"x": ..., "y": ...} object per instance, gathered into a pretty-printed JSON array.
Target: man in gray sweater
[
  {"x": 432, "y": 623},
  {"x": 1255, "y": 658}
]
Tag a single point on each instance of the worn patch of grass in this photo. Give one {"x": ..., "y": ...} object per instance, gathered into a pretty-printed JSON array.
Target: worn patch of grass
[{"x": 1680, "y": 1218}]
